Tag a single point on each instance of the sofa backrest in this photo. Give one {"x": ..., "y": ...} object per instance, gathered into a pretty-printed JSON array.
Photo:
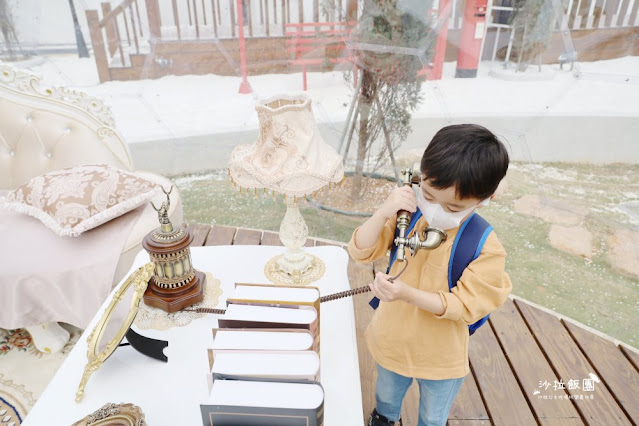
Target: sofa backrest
[{"x": 49, "y": 128}]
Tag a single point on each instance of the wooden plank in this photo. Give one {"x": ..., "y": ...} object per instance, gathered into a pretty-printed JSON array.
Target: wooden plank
[
  {"x": 109, "y": 27},
  {"x": 610, "y": 9},
  {"x": 266, "y": 17},
  {"x": 570, "y": 364},
  {"x": 153, "y": 16},
  {"x": 271, "y": 239},
  {"x": 247, "y": 237},
  {"x": 200, "y": 233},
  {"x": 233, "y": 23},
  {"x": 358, "y": 275},
  {"x": 330, "y": 243},
  {"x": 214, "y": 18},
  {"x": 97, "y": 41},
  {"x": 633, "y": 13},
  {"x": 612, "y": 367},
  {"x": 501, "y": 393},
  {"x": 203, "y": 13},
  {"x": 632, "y": 356},
  {"x": 561, "y": 422},
  {"x": 249, "y": 16},
  {"x": 468, "y": 405},
  {"x": 623, "y": 10},
  {"x": 220, "y": 236},
  {"x": 529, "y": 364},
  {"x": 133, "y": 29},
  {"x": 195, "y": 20},
  {"x": 283, "y": 15},
  {"x": 468, "y": 422}
]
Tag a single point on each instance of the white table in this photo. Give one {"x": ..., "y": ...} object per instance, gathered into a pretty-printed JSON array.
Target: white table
[{"x": 171, "y": 393}]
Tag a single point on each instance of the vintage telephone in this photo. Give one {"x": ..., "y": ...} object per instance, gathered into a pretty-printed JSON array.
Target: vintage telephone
[{"x": 430, "y": 239}]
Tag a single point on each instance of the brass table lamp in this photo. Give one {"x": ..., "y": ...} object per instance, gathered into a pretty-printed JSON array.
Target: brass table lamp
[
  {"x": 175, "y": 284},
  {"x": 289, "y": 158}
]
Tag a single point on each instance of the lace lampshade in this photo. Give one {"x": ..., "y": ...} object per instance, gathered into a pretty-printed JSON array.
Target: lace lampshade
[{"x": 290, "y": 158}]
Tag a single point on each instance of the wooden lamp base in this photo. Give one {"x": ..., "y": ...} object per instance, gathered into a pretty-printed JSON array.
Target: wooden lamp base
[{"x": 173, "y": 300}]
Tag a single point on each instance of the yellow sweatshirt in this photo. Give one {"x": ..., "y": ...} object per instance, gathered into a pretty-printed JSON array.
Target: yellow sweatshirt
[{"x": 416, "y": 343}]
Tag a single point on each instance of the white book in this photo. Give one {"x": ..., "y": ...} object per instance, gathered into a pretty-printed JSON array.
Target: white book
[
  {"x": 266, "y": 365},
  {"x": 262, "y": 339}
]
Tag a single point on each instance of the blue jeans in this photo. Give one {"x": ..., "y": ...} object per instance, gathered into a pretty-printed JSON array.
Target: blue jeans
[{"x": 435, "y": 396}]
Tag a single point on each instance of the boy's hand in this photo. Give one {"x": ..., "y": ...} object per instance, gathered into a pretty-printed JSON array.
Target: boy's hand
[
  {"x": 402, "y": 198},
  {"x": 388, "y": 291}
]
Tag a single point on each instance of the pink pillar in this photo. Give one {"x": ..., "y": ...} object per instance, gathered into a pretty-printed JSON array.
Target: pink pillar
[{"x": 245, "y": 87}]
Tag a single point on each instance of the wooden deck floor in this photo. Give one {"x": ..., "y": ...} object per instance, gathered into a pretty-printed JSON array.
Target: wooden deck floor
[{"x": 519, "y": 363}]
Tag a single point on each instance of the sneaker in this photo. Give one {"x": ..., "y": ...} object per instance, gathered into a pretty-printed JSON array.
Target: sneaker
[{"x": 377, "y": 419}]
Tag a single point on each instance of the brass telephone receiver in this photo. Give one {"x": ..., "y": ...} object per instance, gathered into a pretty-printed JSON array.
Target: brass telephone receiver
[{"x": 430, "y": 239}]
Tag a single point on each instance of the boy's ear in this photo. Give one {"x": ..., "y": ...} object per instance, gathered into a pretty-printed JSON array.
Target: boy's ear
[{"x": 486, "y": 201}]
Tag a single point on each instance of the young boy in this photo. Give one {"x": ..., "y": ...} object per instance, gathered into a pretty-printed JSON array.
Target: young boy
[{"x": 420, "y": 329}]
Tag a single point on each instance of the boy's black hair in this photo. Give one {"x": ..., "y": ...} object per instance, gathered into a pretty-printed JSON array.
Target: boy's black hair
[{"x": 468, "y": 156}]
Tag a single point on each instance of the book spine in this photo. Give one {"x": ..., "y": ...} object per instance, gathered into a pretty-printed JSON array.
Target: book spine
[
  {"x": 315, "y": 331},
  {"x": 280, "y": 379},
  {"x": 229, "y": 323},
  {"x": 230, "y": 415}
]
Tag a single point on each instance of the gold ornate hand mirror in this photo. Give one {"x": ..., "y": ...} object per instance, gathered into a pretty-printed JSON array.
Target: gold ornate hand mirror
[{"x": 115, "y": 322}]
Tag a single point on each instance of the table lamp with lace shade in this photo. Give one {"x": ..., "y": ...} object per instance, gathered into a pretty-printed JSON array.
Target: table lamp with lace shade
[{"x": 289, "y": 158}]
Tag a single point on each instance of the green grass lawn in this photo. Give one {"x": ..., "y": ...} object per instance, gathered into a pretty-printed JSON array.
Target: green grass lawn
[{"x": 588, "y": 290}]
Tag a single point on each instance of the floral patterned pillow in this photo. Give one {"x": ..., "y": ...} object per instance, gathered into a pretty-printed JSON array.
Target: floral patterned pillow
[{"x": 71, "y": 201}]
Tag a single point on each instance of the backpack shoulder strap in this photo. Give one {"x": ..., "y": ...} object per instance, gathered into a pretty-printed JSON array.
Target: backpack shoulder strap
[{"x": 468, "y": 244}]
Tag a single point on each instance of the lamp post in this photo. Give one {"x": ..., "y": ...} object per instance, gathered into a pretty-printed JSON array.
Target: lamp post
[
  {"x": 79, "y": 38},
  {"x": 245, "y": 87}
]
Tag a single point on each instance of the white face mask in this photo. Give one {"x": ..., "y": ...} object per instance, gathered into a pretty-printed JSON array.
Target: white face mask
[{"x": 437, "y": 217}]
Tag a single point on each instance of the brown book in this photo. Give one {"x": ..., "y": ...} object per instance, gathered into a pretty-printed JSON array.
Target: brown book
[
  {"x": 275, "y": 295},
  {"x": 264, "y": 316}
]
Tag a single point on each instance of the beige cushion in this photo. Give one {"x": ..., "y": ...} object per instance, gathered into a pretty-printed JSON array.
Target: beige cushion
[{"x": 73, "y": 200}]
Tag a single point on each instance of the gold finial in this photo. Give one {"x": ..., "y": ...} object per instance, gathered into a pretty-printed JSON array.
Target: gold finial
[{"x": 163, "y": 212}]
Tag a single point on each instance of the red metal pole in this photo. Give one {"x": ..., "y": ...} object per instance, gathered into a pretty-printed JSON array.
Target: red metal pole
[
  {"x": 440, "y": 45},
  {"x": 473, "y": 29},
  {"x": 245, "y": 87}
]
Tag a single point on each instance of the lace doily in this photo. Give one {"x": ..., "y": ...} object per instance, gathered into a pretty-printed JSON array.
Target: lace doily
[
  {"x": 313, "y": 273},
  {"x": 149, "y": 317}
]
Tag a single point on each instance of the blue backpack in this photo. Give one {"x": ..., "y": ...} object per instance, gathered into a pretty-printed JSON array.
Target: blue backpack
[{"x": 468, "y": 244}]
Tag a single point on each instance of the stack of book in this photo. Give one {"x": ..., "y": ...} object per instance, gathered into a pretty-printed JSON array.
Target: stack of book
[{"x": 264, "y": 362}]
